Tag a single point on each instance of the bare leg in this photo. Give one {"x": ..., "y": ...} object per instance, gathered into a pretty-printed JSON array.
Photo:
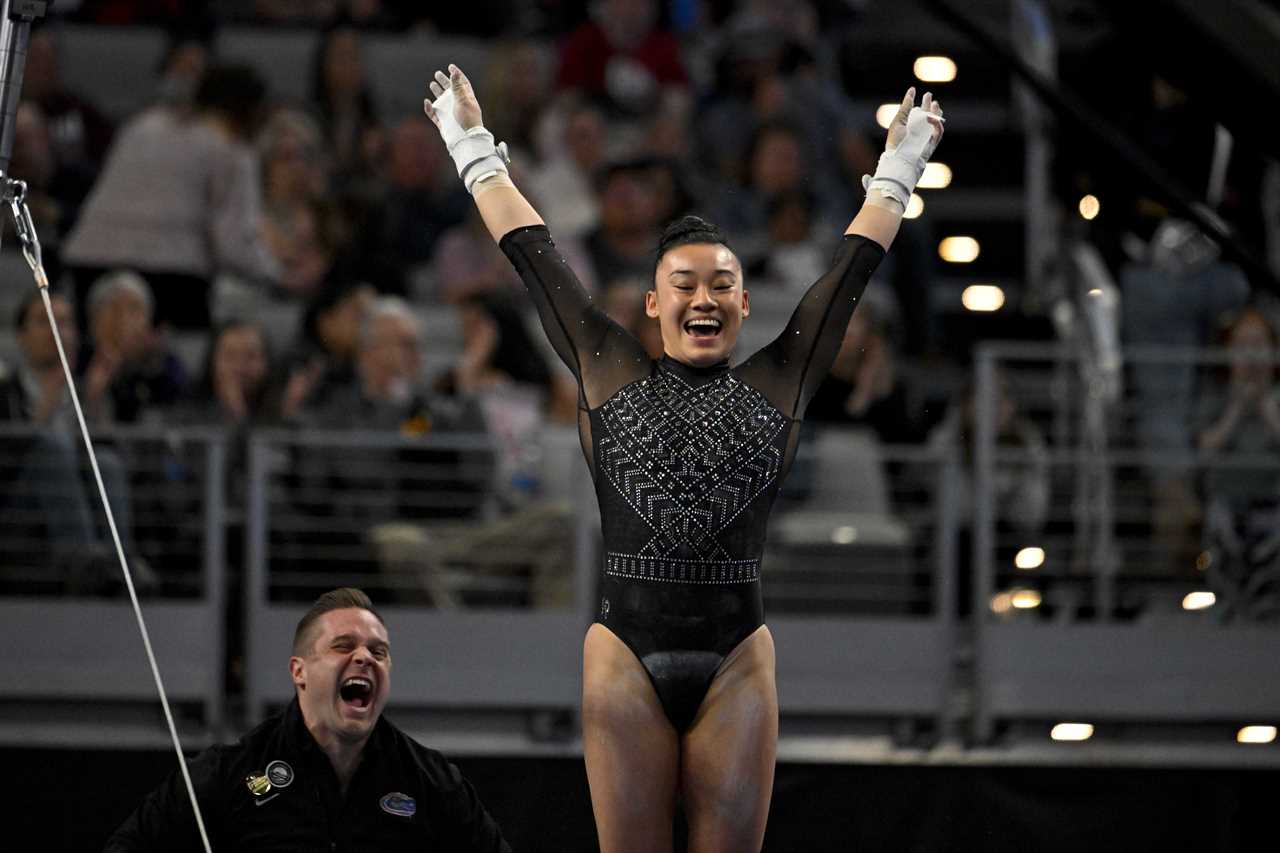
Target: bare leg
[
  {"x": 730, "y": 751},
  {"x": 631, "y": 749}
]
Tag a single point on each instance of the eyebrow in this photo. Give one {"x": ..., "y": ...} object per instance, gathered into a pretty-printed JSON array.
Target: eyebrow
[
  {"x": 720, "y": 271},
  {"x": 373, "y": 643}
]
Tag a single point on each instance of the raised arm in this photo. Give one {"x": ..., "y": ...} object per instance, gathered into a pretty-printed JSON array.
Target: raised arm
[
  {"x": 600, "y": 353},
  {"x": 790, "y": 369},
  {"x": 913, "y": 135},
  {"x": 455, "y": 110}
]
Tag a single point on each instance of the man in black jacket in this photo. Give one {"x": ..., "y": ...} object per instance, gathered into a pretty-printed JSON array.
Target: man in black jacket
[{"x": 328, "y": 773}]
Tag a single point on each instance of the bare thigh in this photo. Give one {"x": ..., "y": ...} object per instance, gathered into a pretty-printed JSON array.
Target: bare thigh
[
  {"x": 730, "y": 750},
  {"x": 631, "y": 749}
]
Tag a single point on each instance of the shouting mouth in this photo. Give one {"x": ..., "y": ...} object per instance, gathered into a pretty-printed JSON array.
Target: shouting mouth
[
  {"x": 707, "y": 328},
  {"x": 357, "y": 692}
]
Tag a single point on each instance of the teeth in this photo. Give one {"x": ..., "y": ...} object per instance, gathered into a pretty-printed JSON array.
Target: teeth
[
  {"x": 710, "y": 324},
  {"x": 362, "y": 682}
]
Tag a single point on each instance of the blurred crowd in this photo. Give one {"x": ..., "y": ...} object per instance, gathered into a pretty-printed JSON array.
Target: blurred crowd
[{"x": 220, "y": 199}]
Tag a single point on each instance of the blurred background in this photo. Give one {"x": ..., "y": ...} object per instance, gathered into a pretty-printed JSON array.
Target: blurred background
[{"x": 1024, "y": 577}]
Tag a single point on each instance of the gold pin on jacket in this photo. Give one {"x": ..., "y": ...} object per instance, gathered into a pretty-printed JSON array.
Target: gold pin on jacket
[{"x": 258, "y": 784}]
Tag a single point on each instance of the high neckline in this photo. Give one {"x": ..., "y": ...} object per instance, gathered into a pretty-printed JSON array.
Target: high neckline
[{"x": 693, "y": 373}]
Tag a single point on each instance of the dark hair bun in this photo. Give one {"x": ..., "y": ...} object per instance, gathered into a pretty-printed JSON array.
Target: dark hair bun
[{"x": 687, "y": 230}]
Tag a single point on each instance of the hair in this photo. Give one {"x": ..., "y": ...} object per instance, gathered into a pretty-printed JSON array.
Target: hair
[
  {"x": 319, "y": 86},
  {"x": 335, "y": 290},
  {"x": 285, "y": 123},
  {"x": 204, "y": 389},
  {"x": 635, "y": 167},
  {"x": 516, "y": 353},
  {"x": 191, "y": 28},
  {"x": 110, "y": 285},
  {"x": 344, "y": 598},
  {"x": 1225, "y": 326},
  {"x": 386, "y": 306},
  {"x": 685, "y": 231},
  {"x": 236, "y": 92},
  {"x": 31, "y": 297}
]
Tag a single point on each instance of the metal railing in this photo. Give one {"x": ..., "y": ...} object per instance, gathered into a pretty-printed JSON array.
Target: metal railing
[
  {"x": 80, "y": 654},
  {"x": 488, "y": 589},
  {"x": 1054, "y": 537},
  {"x": 1124, "y": 568}
]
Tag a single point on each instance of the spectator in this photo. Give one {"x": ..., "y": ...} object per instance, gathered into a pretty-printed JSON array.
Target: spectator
[
  {"x": 233, "y": 389},
  {"x": 768, "y": 73},
  {"x": 1020, "y": 489},
  {"x": 180, "y": 201},
  {"x": 1241, "y": 417},
  {"x": 302, "y": 227},
  {"x": 325, "y": 357},
  {"x": 563, "y": 183},
  {"x": 623, "y": 301},
  {"x": 344, "y": 100},
  {"x": 519, "y": 79},
  {"x": 621, "y": 58},
  {"x": 383, "y": 488},
  {"x": 863, "y": 387},
  {"x": 795, "y": 258},
  {"x": 776, "y": 166},
  {"x": 389, "y": 393},
  {"x": 130, "y": 373},
  {"x": 466, "y": 262},
  {"x": 622, "y": 245},
  {"x": 504, "y": 371},
  {"x": 187, "y": 56},
  {"x": 54, "y": 190},
  {"x": 422, "y": 198},
  {"x": 42, "y": 471},
  {"x": 79, "y": 133}
]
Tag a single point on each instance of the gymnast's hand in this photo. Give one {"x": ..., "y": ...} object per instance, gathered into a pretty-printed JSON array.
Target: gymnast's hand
[
  {"x": 466, "y": 109},
  {"x": 913, "y": 134},
  {"x": 929, "y": 110},
  {"x": 456, "y": 114}
]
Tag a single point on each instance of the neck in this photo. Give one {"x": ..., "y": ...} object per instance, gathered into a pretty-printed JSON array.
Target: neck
[
  {"x": 343, "y": 755},
  {"x": 709, "y": 367}
]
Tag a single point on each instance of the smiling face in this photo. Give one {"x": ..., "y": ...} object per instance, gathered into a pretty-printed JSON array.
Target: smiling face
[
  {"x": 343, "y": 675},
  {"x": 240, "y": 360},
  {"x": 699, "y": 301}
]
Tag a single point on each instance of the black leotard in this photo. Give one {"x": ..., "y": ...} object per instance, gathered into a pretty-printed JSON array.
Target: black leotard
[{"x": 686, "y": 462}]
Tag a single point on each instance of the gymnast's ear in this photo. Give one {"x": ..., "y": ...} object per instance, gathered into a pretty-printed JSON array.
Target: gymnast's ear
[
  {"x": 297, "y": 672},
  {"x": 746, "y": 303},
  {"x": 651, "y": 303}
]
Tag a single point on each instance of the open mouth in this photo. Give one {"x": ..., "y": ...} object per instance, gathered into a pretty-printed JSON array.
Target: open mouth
[
  {"x": 357, "y": 692},
  {"x": 702, "y": 327}
]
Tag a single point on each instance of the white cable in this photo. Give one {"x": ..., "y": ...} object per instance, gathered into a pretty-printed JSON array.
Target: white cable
[{"x": 124, "y": 566}]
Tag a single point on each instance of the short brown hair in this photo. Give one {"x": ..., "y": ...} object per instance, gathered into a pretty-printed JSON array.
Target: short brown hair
[{"x": 335, "y": 599}]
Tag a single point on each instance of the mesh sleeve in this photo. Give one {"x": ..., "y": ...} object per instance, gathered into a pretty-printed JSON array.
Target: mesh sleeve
[
  {"x": 602, "y": 355},
  {"x": 789, "y": 370}
]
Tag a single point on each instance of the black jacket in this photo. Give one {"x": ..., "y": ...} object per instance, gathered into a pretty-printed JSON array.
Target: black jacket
[{"x": 403, "y": 796}]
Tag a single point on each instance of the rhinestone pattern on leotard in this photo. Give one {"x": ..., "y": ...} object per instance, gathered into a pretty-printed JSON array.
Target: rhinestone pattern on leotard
[{"x": 688, "y": 460}]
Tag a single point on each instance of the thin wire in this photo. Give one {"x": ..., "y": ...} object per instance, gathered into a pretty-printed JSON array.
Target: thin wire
[{"x": 124, "y": 566}]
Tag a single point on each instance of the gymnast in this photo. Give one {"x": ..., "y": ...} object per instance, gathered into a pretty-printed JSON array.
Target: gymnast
[{"x": 687, "y": 454}]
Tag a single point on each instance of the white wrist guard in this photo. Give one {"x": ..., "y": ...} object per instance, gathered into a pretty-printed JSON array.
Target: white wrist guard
[
  {"x": 901, "y": 166},
  {"x": 474, "y": 153}
]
